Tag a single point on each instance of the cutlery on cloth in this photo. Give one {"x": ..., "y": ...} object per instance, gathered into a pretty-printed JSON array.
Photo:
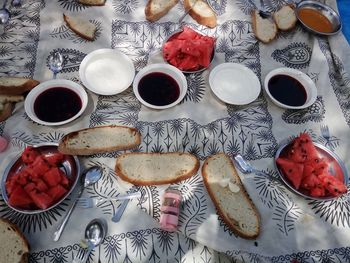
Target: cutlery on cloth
[
  {"x": 327, "y": 135},
  {"x": 89, "y": 202},
  {"x": 56, "y": 63},
  {"x": 120, "y": 210},
  {"x": 89, "y": 177},
  {"x": 4, "y": 14},
  {"x": 17, "y": 3},
  {"x": 262, "y": 12},
  {"x": 95, "y": 233}
]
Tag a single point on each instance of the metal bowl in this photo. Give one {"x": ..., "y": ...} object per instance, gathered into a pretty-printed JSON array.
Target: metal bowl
[
  {"x": 325, "y": 10},
  {"x": 175, "y": 33},
  {"x": 335, "y": 164},
  {"x": 70, "y": 166}
]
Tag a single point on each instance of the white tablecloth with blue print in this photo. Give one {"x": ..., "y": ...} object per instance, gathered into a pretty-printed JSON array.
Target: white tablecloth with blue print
[{"x": 293, "y": 228}]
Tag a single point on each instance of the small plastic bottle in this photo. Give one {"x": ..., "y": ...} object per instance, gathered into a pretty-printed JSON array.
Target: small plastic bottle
[{"x": 170, "y": 209}]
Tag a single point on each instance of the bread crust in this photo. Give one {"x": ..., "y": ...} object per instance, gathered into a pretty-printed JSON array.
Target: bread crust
[
  {"x": 64, "y": 148},
  {"x": 125, "y": 177},
  {"x": 209, "y": 21},
  {"x": 152, "y": 16},
  {"x": 91, "y": 3},
  {"x": 15, "y": 228},
  {"x": 6, "y": 112},
  {"x": 292, "y": 25},
  {"x": 11, "y": 89},
  {"x": 256, "y": 31},
  {"x": 218, "y": 205},
  {"x": 66, "y": 19}
]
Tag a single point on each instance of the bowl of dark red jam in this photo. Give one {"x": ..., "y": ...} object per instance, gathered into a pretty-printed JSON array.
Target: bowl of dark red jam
[
  {"x": 290, "y": 88},
  {"x": 160, "y": 86},
  {"x": 56, "y": 102}
]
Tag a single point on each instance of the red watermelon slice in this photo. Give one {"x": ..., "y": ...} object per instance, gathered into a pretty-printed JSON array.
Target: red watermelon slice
[{"x": 292, "y": 170}]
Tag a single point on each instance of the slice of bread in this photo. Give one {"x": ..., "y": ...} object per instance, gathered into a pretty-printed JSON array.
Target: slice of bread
[
  {"x": 99, "y": 140},
  {"x": 264, "y": 29},
  {"x": 231, "y": 200},
  {"x": 13, "y": 245},
  {"x": 201, "y": 12},
  {"x": 285, "y": 18},
  {"x": 6, "y": 110},
  {"x": 156, "y": 168},
  {"x": 92, "y": 2},
  {"x": 16, "y": 85},
  {"x": 81, "y": 27},
  {"x": 155, "y": 9}
]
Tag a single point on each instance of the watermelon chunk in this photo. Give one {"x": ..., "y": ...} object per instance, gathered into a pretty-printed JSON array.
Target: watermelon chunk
[
  {"x": 41, "y": 199},
  {"x": 292, "y": 170},
  {"x": 40, "y": 165},
  {"x": 57, "y": 192},
  {"x": 54, "y": 159},
  {"x": 53, "y": 176},
  {"x": 19, "y": 198},
  {"x": 29, "y": 155}
]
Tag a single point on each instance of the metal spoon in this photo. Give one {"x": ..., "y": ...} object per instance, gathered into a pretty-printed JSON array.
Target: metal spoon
[
  {"x": 4, "y": 14},
  {"x": 17, "y": 3},
  {"x": 89, "y": 177},
  {"x": 56, "y": 62},
  {"x": 95, "y": 233}
]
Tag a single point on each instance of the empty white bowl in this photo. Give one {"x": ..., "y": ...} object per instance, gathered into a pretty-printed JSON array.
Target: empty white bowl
[
  {"x": 157, "y": 76},
  {"x": 72, "y": 96},
  {"x": 107, "y": 71},
  {"x": 287, "y": 97}
]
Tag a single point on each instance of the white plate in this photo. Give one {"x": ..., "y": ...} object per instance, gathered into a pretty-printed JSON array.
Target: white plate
[
  {"x": 234, "y": 83},
  {"x": 167, "y": 69},
  {"x": 34, "y": 93},
  {"x": 308, "y": 84},
  {"x": 107, "y": 71}
]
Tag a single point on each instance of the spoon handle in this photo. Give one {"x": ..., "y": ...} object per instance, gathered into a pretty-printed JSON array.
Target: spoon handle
[{"x": 59, "y": 230}]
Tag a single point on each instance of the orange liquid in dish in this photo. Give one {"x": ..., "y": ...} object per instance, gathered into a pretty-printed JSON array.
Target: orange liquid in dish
[{"x": 315, "y": 20}]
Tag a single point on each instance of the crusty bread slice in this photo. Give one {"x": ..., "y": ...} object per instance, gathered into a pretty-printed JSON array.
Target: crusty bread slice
[
  {"x": 6, "y": 111},
  {"x": 155, "y": 9},
  {"x": 81, "y": 27},
  {"x": 156, "y": 168},
  {"x": 264, "y": 29},
  {"x": 232, "y": 203},
  {"x": 201, "y": 12},
  {"x": 99, "y": 140},
  {"x": 16, "y": 85},
  {"x": 285, "y": 18},
  {"x": 13, "y": 245},
  {"x": 92, "y": 2}
]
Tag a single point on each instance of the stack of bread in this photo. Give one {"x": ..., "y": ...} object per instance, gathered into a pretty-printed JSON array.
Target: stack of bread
[
  {"x": 12, "y": 90},
  {"x": 265, "y": 29}
]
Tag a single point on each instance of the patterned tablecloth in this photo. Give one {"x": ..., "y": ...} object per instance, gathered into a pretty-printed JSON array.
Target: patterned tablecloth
[{"x": 292, "y": 227}]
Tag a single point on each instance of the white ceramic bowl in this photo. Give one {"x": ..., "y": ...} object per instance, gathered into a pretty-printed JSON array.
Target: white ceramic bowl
[
  {"x": 107, "y": 71},
  {"x": 44, "y": 86},
  {"x": 234, "y": 83},
  {"x": 166, "y": 69},
  {"x": 302, "y": 78}
]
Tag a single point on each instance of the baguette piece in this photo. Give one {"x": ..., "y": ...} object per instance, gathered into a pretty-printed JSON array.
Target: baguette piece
[
  {"x": 264, "y": 29},
  {"x": 285, "y": 18},
  {"x": 16, "y": 85},
  {"x": 92, "y": 2},
  {"x": 99, "y": 140},
  {"x": 156, "y": 168},
  {"x": 155, "y": 9},
  {"x": 13, "y": 245},
  {"x": 81, "y": 27},
  {"x": 200, "y": 11},
  {"x": 230, "y": 197}
]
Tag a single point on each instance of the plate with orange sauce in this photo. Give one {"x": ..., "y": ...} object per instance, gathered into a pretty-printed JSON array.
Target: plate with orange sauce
[{"x": 318, "y": 18}]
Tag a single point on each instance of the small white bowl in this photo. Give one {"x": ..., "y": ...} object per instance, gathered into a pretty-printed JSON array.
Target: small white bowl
[
  {"x": 107, "y": 71},
  {"x": 50, "y": 84},
  {"x": 166, "y": 69},
  {"x": 302, "y": 78}
]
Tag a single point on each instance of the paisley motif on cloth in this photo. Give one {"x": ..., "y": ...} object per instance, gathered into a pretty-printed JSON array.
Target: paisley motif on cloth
[{"x": 295, "y": 55}]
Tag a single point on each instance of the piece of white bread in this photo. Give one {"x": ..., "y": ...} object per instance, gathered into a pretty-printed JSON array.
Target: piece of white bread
[
  {"x": 155, "y": 9},
  {"x": 81, "y": 27},
  {"x": 235, "y": 207},
  {"x": 92, "y": 2},
  {"x": 13, "y": 245},
  {"x": 156, "y": 168},
  {"x": 201, "y": 12},
  {"x": 285, "y": 18},
  {"x": 264, "y": 29},
  {"x": 16, "y": 85},
  {"x": 99, "y": 140}
]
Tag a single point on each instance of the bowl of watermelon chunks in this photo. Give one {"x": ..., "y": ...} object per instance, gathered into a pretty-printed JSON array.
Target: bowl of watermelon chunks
[
  {"x": 189, "y": 50},
  {"x": 39, "y": 179},
  {"x": 310, "y": 169}
]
